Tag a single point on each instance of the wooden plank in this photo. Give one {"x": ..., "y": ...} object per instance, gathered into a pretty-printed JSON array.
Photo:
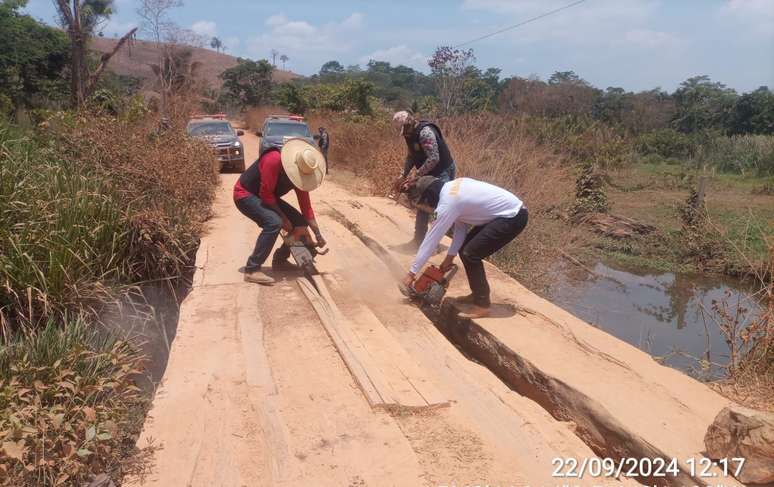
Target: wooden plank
[
  {"x": 344, "y": 328},
  {"x": 331, "y": 325},
  {"x": 407, "y": 378},
  {"x": 262, "y": 390}
]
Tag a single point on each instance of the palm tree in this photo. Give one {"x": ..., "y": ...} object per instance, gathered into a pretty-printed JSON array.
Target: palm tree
[
  {"x": 216, "y": 44},
  {"x": 284, "y": 58}
]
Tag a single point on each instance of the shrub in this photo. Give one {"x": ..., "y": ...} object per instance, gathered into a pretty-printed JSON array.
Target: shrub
[
  {"x": 589, "y": 195},
  {"x": 67, "y": 403},
  {"x": 751, "y": 155},
  {"x": 666, "y": 143}
]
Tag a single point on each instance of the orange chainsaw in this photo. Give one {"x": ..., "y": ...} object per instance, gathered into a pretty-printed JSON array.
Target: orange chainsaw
[{"x": 431, "y": 286}]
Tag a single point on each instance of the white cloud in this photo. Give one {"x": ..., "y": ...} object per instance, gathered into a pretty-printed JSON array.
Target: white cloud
[
  {"x": 354, "y": 21},
  {"x": 309, "y": 45},
  {"x": 205, "y": 28},
  {"x": 652, "y": 38},
  {"x": 755, "y": 16},
  {"x": 115, "y": 28},
  {"x": 397, "y": 55},
  {"x": 595, "y": 22}
]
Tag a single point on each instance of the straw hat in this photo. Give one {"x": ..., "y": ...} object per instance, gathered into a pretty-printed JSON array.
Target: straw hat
[{"x": 303, "y": 163}]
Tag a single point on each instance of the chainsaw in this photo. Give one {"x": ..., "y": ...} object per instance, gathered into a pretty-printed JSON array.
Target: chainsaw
[
  {"x": 303, "y": 252},
  {"x": 431, "y": 286}
]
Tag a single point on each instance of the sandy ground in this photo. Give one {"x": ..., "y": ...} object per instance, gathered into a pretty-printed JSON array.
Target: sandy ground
[{"x": 256, "y": 394}]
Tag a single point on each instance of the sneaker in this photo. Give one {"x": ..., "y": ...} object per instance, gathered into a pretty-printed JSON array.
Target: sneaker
[{"x": 259, "y": 277}]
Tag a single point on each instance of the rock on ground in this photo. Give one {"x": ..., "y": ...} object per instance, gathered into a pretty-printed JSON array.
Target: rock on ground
[{"x": 746, "y": 433}]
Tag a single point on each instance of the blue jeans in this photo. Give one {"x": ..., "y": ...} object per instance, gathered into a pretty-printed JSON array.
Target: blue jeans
[
  {"x": 271, "y": 224},
  {"x": 423, "y": 219}
]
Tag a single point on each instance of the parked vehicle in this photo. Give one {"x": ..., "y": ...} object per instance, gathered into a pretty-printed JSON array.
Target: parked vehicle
[
  {"x": 221, "y": 135},
  {"x": 279, "y": 128}
]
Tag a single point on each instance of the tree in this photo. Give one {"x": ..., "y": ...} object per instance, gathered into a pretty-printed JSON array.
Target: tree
[
  {"x": 331, "y": 68},
  {"x": 32, "y": 60},
  {"x": 292, "y": 98},
  {"x": 753, "y": 113},
  {"x": 274, "y": 53},
  {"x": 448, "y": 66},
  {"x": 161, "y": 30},
  {"x": 284, "y": 58},
  {"x": 249, "y": 83},
  {"x": 216, "y": 44},
  {"x": 80, "y": 18},
  {"x": 702, "y": 104},
  {"x": 567, "y": 77}
]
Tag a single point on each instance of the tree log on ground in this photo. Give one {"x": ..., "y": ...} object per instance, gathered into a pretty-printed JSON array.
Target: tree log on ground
[{"x": 618, "y": 227}]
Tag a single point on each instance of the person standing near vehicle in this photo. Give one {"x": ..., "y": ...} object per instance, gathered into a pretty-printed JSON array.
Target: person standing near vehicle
[
  {"x": 300, "y": 167},
  {"x": 485, "y": 218},
  {"x": 324, "y": 143},
  {"x": 429, "y": 154}
]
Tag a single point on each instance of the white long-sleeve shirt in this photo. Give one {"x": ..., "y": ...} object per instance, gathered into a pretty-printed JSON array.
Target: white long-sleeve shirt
[{"x": 465, "y": 203}]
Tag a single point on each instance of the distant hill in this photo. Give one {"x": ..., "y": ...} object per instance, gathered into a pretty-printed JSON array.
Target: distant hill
[{"x": 133, "y": 61}]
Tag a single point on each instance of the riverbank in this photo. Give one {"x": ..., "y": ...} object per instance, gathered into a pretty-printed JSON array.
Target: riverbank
[{"x": 738, "y": 229}]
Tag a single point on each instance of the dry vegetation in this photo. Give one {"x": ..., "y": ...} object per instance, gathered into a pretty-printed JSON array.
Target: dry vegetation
[{"x": 92, "y": 209}]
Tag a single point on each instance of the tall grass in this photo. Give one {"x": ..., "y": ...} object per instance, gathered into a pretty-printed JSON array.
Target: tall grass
[
  {"x": 92, "y": 207},
  {"x": 62, "y": 239}
]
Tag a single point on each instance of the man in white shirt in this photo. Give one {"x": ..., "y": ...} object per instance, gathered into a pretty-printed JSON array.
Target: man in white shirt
[{"x": 485, "y": 218}]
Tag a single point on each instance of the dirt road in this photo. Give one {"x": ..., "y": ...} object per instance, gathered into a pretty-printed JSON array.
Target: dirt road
[{"x": 256, "y": 393}]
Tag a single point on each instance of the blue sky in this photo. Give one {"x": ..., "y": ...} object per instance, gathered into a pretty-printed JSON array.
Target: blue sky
[{"x": 635, "y": 44}]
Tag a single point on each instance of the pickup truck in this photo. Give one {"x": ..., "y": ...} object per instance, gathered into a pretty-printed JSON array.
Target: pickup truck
[{"x": 222, "y": 137}]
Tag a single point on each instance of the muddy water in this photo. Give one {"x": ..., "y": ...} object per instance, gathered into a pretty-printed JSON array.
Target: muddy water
[{"x": 668, "y": 315}]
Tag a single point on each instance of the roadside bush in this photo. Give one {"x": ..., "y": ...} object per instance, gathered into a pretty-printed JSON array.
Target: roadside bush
[
  {"x": 91, "y": 207},
  {"x": 589, "y": 195},
  {"x": 748, "y": 155},
  {"x": 581, "y": 139},
  {"x": 666, "y": 143},
  {"x": 67, "y": 405}
]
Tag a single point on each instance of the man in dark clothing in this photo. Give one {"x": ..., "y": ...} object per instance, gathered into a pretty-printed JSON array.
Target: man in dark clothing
[
  {"x": 324, "y": 143},
  {"x": 429, "y": 154},
  {"x": 299, "y": 166}
]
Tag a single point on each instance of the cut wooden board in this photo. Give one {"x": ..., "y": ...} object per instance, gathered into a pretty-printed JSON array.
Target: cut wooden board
[
  {"x": 380, "y": 366},
  {"x": 386, "y": 351}
]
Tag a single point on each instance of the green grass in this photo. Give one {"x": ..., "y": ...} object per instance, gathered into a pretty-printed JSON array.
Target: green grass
[
  {"x": 62, "y": 232},
  {"x": 741, "y": 220}
]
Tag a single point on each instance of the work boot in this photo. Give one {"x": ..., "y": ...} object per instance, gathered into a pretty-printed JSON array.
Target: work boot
[
  {"x": 283, "y": 265},
  {"x": 475, "y": 312},
  {"x": 259, "y": 277}
]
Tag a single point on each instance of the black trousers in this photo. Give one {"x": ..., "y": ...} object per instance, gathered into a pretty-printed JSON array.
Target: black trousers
[{"x": 483, "y": 241}]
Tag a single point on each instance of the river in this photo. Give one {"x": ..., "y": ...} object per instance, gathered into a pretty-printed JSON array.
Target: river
[{"x": 669, "y": 315}]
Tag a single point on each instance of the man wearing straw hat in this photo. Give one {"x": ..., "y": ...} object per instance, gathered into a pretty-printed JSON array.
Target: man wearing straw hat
[
  {"x": 429, "y": 154},
  {"x": 300, "y": 167}
]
